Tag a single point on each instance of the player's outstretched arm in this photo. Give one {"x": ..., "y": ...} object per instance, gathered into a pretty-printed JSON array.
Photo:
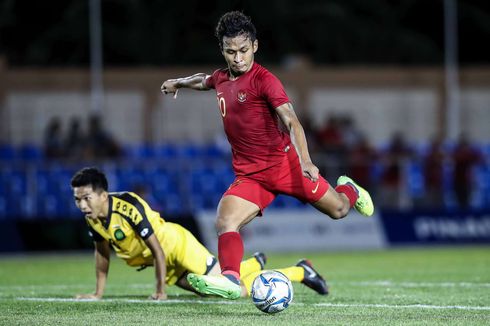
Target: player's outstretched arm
[
  {"x": 197, "y": 82},
  {"x": 102, "y": 259},
  {"x": 160, "y": 267},
  {"x": 297, "y": 134}
]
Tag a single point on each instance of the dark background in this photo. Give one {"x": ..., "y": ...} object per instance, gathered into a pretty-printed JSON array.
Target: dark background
[{"x": 162, "y": 33}]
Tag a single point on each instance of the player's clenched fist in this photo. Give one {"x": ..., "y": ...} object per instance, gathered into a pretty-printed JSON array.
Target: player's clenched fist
[{"x": 170, "y": 87}]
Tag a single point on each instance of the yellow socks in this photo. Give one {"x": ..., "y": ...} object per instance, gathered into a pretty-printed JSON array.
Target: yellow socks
[
  {"x": 248, "y": 279},
  {"x": 294, "y": 273},
  {"x": 249, "y": 266}
]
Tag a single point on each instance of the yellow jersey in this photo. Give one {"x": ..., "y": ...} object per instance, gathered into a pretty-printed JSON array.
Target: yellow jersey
[{"x": 129, "y": 223}]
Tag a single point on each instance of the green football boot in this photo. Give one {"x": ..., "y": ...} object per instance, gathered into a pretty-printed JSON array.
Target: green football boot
[
  {"x": 364, "y": 203},
  {"x": 214, "y": 285}
]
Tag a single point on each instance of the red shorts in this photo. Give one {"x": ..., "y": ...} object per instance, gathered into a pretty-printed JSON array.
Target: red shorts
[{"x": 284, "y": 178}]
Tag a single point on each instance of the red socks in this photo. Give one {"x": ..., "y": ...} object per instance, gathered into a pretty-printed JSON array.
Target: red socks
[
  {"x": 349, "y": 191},
  {"x": 230, "y": 253}
]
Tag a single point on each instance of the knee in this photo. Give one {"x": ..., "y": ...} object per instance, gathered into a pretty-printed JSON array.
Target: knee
[
  {"x": 336, "y": 212},
  {"x": 224, "y": 224},
  {"x": 339, "y": 213}
]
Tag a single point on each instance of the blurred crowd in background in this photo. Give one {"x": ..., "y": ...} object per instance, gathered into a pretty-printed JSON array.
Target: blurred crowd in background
[
  {"x": 400, "y": 174},
  {"x": 186, "y": 177},
  {"x": 77, "y": 145}
]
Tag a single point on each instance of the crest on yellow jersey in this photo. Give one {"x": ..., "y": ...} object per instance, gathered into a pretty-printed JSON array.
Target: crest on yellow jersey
[{"x": 119, "y": 235}]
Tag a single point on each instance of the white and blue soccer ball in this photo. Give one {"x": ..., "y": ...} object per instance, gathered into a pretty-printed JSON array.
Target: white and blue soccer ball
[{"x": 272, "y": 292}]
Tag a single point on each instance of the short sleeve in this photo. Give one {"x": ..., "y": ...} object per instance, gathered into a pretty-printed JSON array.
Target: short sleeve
[
  {"x": 142, "y": 226},
  {"x": 211, "y": 80},
  {"x": 272, "y": 90},
  {"x": 94, "y": 235}
]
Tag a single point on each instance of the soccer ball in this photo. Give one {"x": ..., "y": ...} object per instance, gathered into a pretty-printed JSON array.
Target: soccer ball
[{"x": 272, "y": 292}]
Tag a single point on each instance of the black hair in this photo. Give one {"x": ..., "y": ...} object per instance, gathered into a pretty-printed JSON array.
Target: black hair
[
  {"x": 235, "y": 23},
  {"x": 90, "y": 176}
]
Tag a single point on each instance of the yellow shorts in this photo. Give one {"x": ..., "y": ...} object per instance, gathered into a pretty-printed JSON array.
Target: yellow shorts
[{"x": 183, "y": 253}]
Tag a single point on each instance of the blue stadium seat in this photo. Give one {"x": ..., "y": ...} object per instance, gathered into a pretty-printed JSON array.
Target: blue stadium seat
[
  {"x": 174, "y": 205},
  {"x": 486, "y": 151},
  {"x": 139, "y": 151},
  {"x": 189, "y": 151},
  {"x": 14, "y": 205},
  {"x": 166, "y": 151},
  {"x": 59, "y": 179},
  {"x": 284, "y": 201},
  {"x": 16, "y": 182},
  {"x": 48, "y": 206},
  {"x": 4, "y": 177},
  {"x": 3, "y": 208},
  {"x": 7, "y": 152},
  {"x": 481, "y": 175},
  {"x": 130, "y": 176},
  {"x": 30, "y": 152},
  {"x": 72, "y": 210},
  {"x": 213, "y": 151},
  {"x": 165, "y": 183},
  {"x": 204, "y": 181},
  {"x": 181, "y": 179},
  {"x": 415, "y": 179},
  {"x": 196, "y": 202},
  {"x": 44, "y": 185}
]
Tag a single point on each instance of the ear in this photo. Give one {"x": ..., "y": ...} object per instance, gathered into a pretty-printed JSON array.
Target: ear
[{"x": 255, "y": 45}]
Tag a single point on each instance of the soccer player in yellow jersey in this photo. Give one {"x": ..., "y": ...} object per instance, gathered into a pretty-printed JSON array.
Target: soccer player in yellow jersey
[{"x": 140, "y": 236}]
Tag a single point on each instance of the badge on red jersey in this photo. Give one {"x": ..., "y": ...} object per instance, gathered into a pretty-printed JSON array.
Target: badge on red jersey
[{"x": 242, "y": 96}]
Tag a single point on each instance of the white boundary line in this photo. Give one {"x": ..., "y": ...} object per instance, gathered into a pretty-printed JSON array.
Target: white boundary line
[
  {"x": 416, "y": 284},
  {"x": 409, "y": 306},
  {"x": 221, "y": 302},
  {"x": 381, "y": 283}
]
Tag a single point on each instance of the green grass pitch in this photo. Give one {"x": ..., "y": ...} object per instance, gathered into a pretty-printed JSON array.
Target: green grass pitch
[{"x": 438, "y": 286}]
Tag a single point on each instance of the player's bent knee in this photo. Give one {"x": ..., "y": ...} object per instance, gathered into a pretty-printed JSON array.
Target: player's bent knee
[
  {"x": 224, "y": 225},
  {"x": 334, "y": 211},
  {"x": 333, "y": 205},
  {"x": 339, "y": 213}
]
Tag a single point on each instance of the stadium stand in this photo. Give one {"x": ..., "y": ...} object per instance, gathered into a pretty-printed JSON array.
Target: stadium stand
[{"x": 181, "y": 178}]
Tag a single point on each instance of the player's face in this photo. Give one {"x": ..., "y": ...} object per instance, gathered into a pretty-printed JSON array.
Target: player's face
[
  {"x": 92, "y": 203},
  {"x": 239, "y": 53}
]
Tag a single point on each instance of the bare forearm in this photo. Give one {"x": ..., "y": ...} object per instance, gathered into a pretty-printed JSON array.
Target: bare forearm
[
  {"x": 193, "y": 82},
  {"x": 160, "y": 274},
  {"x": 101, "y": 276},
  {"x": 160, "y": 267},
  {"x": 298, "y": 139},
  {"x": 297, "y": 135},
  {"x": 296, "y": 131},
  {"x": 101, "y": 271}
]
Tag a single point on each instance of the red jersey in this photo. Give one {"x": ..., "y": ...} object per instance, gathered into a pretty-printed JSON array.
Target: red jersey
[{"x": 252, "y": 126}]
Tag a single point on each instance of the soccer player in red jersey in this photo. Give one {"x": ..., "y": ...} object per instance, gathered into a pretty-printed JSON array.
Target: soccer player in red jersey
[{"x": 269, "y": 150}]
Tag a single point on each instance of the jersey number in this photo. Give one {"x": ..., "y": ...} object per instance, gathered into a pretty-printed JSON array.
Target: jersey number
[
  {"x": 222, "y": 106},
  {"x": 132, "y": 214}
]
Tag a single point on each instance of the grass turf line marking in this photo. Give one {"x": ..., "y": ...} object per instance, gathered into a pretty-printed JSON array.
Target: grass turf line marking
[
  {"x": 384, "y": 283},
  {"x": 219, "y": 302},
  {"x": 409, "y": 306},
  {"x": 417, "y": 284},
  {"x": 169, "y": 301}
]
